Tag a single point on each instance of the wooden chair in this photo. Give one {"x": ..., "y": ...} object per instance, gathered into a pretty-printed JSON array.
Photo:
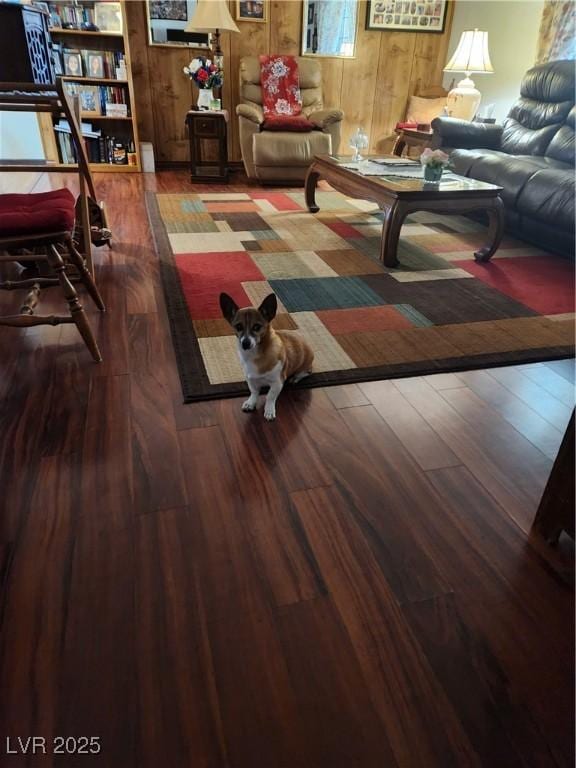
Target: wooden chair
[
  {"x": 42, "y": 227},
  {"x": 406, "y": 137}
]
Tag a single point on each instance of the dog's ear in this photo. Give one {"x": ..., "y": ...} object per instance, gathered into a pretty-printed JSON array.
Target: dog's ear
[
  {"x": 268, "y": 308},
  {"x": 228, "y": 306}
]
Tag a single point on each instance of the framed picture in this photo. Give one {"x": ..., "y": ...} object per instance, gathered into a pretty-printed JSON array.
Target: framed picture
[
  {"x": 407, "y": 15},
  {"x": 89, "y": 97},
  {"x": 95, "y": 65},
  {"x": 169, "y": 10},
  {"x": 108, "y": 16},
  {"x": 57, "y": 59},
  {"x": 42, "y": 6},
  {"x": 73, "y": 64},
  {"x": 250, "y": 10}
]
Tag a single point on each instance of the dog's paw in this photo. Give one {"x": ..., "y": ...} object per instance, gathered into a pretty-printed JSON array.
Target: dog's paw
[
  {"x": 269, "y": 413},
  {"x": 248, "y": 406}
]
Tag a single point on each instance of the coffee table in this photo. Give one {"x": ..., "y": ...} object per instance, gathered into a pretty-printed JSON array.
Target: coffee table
[{"x": 399, "y": 197}]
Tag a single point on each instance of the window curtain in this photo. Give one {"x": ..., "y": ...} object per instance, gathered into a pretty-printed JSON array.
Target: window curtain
[
  {"x": 336, "y": 20},
  {"x": 556, "y": 39}
]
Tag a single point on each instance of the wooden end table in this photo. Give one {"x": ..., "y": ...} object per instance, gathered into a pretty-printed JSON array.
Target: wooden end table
[
  {"x": 397, "y": 198},
  {"x": 411, "y": 137},
  {"x": 204, "y": 126}
]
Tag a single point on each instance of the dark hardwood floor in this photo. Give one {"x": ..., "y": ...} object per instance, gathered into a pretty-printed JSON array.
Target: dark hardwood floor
[{"x": 353, "y": 586}]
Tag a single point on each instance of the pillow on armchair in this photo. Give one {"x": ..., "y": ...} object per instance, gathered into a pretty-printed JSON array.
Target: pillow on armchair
[{"x": 295, "y": 123}]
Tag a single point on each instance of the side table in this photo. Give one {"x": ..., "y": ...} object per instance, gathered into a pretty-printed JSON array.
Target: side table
[
  {"x": 411, "y": 137},
  {"x": 204, "y": 127}
]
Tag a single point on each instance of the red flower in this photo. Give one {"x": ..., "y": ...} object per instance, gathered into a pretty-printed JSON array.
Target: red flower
[
  {"x": 202, "y": 75},
  {"x": 213, "y": 68}
]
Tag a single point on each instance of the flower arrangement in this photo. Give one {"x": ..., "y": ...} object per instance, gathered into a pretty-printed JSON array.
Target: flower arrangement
[
  {"x": 204, "y": 73},
  {"x": 434, "y": 158},
  {"x": 434, "y": 162}
]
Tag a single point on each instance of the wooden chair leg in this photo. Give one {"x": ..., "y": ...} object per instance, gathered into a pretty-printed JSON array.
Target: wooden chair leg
[
  {"x": 76, "y": 310},
  {"x": 80, "y": 263}
]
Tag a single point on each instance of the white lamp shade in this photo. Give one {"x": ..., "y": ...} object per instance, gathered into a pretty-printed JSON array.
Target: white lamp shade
[
  {"x": 472, "y": 54},
  {"x": 210, "y": 15}
]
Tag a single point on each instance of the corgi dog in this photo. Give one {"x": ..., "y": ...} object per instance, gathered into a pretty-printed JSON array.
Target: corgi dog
[{"x": 269, "y": 357}]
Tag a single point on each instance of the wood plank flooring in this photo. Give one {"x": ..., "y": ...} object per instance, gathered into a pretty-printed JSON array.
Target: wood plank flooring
[{"x": 353, "y": 586}]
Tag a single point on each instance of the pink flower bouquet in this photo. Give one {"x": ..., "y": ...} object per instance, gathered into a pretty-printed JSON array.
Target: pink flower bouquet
[
  {"x": 434, "y": 158},
  {"x": 434, "y": 162}
]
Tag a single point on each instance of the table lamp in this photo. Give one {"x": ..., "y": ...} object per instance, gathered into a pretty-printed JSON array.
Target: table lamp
[
  {"x": 212, "y": 16},
  {"x": 471, "y": 56}
]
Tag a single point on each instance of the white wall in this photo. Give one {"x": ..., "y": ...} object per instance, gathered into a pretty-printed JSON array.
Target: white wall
[{"x": 512, "y": 27}]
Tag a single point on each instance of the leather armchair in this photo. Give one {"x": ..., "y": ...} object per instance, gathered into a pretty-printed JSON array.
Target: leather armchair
[
  {"x": 282, "y": 156},
  {"x": 531, "y": 156}
]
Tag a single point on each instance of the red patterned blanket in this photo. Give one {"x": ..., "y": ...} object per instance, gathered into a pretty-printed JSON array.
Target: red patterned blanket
[{"x": 280, "y": 86}]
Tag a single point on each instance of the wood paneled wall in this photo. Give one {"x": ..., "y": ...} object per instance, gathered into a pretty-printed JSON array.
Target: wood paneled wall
[{"x": 372, "y": 89}]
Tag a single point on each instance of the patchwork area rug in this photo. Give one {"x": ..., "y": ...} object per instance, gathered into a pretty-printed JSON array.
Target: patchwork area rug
[{"x": 439, "y": 311}]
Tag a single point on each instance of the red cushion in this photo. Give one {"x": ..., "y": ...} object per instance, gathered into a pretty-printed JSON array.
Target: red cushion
[
  {"x": 295, "y": 123},
  {"x": 400, "y": 126},
  {"x": 37, "y": 213}
]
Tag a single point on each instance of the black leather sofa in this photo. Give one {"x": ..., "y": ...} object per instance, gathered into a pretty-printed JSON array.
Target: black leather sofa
[{"x": 531, "y": 156}]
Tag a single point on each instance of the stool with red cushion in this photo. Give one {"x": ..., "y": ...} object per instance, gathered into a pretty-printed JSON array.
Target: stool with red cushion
[{"x": 43, "y": 222}]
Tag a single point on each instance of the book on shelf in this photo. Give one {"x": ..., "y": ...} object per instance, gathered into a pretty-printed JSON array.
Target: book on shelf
[
  {"x": 88, "y": 131},
  {"x": 95, "y": 100},
  {"x": 68, "y": 15},
  {"x": 100, "y": 148},
  {"x": 92, "y": 16},
  {"x": 82, "y": 62}
]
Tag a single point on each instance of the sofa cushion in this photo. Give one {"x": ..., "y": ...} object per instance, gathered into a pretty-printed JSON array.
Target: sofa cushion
[
  {"x": 43, "y": 212},
  {"x": 562, "y": 145},
  {"x": 519, "y": 139},
  {"x": 552, "y": 82},
  {"x": 508, "y": 171},
  {"x": 546, "y": 98},
  {"x": 493, "y": 167},
  {"x": 285, "y": 149},
  {"x": 548, "y": 195}
]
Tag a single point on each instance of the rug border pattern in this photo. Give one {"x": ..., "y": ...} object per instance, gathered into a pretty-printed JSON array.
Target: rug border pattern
[{"x": 194, "y": 379}]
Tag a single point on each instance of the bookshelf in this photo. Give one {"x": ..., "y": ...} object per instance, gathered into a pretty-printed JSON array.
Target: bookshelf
[
  {"x": 104, "y": 134},
  {"x": 80, "y": 32}
]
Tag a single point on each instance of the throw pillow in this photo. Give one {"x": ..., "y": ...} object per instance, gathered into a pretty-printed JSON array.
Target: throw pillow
[
  {"x": 296, "y": 124},
  {"x": 422, "y": 110}
]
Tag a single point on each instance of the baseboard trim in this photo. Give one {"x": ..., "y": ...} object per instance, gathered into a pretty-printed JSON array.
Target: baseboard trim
[{"x": 172, "y": 165}]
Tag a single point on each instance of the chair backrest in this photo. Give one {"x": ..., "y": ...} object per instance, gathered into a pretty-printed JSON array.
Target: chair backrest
[
  {"x": 546, "y": 99},
  {"x": 309, "y": 73}
]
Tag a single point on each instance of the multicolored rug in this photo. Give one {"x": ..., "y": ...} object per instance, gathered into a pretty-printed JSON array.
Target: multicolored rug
[{"x": 440, "y": 311}]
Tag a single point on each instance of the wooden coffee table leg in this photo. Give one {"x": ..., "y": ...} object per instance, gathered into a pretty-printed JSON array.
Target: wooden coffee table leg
[
  {"x": 394, "y": 216},
  {"x": 399, "y": 145},
  {"x": 310, "y": 189},
  {"x": 495, "y": 231}
]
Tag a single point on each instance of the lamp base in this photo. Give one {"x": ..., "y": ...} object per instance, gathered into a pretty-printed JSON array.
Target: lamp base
[{"x": 464, "y": 100}]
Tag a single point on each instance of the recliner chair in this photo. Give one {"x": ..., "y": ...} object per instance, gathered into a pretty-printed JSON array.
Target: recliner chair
[{"x": 283, "y": 156}]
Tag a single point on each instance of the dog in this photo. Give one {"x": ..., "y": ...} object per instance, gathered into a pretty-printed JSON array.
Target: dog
[{"x": 268, "y": 357}]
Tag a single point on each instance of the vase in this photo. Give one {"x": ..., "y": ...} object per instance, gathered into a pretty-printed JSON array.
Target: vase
[
  {"x": 433, "y": 173},
  {"x": 205, "y": 96}
]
